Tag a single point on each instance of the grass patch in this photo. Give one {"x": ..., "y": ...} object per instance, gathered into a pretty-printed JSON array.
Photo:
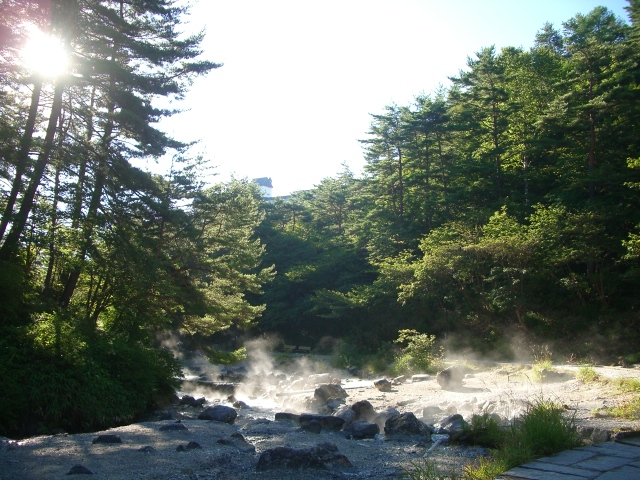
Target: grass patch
[
  {"x": 629, "y": 409},
  {"x": 543, "y": 430},
  {"x": 540, "y": 367},
  {"x": 587, "y": 374},
  {"x": 428, "y": 470},
  {"x": 629, "y": 385}
]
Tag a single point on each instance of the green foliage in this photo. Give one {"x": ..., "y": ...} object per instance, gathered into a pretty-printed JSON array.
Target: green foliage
[
  {"x": 82, "y": 388},
  {"x": 484, "y": 430},
  {"x": 587, "y": 374},
  {"x": 426, "y": 469},
  {"x": 419, "y": 353},
  {"x": 219, "y": 357}
]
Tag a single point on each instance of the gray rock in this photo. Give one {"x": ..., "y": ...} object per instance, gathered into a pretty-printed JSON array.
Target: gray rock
[
  {"x": 347, "y": 414},
  {"x": 451, "y": 377},
  {"x": 423, "y": 377},
  {"x": 406, "y": 424},
  {"x": 173, "y": 427},
  {"x": 107, "y": 438},
  {"x": 317, "y": 457},
  {"x": 361, "y": 429},
  {"x": 329, "y": 391},
  {"x": 328, "y": 422},
  {"x": 364, "y": 410},
  {"x": 383, "y": 385},
  {"x": 219, "y": 413},
  {"x": 79, "y": 470}
]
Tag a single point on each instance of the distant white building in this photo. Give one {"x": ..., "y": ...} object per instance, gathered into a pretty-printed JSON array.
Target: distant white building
[{"x": 266, "y": 187}]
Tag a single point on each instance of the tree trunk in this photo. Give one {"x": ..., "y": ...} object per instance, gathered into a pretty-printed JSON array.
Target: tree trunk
[
  {"x": 23, "y": 157},
  {"x": 10, "y": 247}
]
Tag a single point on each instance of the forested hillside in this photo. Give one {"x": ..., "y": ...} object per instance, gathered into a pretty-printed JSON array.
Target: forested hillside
[{"x": 506, "y": 205}]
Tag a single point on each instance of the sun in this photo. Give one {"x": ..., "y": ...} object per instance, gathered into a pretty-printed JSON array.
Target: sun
[{"x": 45, "y": 54}]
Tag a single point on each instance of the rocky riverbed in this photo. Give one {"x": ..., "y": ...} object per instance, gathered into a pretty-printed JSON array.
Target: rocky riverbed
[{"x": 265, "y": 437}]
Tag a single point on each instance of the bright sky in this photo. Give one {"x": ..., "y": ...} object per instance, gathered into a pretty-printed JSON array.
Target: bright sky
[{"x": 300, "y": 77}]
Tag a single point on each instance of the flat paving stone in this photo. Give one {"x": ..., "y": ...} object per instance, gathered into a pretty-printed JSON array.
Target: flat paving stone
[
  {"x": 624, "y": 473},
  {"x": 529, "y": 474},
  {"x": 602, "y": 463},
  {"x": 550, "y": 467},
  {"x": 635, "y": 441},
  {"x": 615, "y": 449},
  {"x": 568, "y": 457}
]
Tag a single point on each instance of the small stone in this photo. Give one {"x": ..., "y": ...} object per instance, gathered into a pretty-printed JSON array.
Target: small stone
[
  {"x": 173, "y": 427},
  {"x": 79, "y": 470},
  {"x": 107, "y": 439}
]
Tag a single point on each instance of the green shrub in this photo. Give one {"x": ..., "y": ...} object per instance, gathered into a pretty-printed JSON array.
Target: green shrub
[
  {"x": 420, "y": 353},
  {"x": 587, "y": 374}
]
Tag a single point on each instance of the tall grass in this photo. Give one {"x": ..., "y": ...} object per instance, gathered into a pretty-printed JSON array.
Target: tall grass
[{"x": 542, "y": 430}]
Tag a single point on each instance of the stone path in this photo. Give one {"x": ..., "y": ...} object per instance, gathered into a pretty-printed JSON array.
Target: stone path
[{"x": 617, "y": 460}]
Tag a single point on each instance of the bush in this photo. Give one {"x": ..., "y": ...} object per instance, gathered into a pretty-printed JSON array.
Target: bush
[
  {"x": 420, "y": 353},
  {"x": 51, "y": 378}
]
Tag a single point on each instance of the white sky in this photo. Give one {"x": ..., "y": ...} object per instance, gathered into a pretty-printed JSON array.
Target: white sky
[{"x": 301, "y": 77}]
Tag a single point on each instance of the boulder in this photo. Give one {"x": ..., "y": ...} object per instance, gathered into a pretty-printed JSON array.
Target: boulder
[
  {"x": 361, "y": 429},
  {"x": 383, "y": 385},
  {"x": 192, "y": 402},
  {"x": 406, "y": 424},
  {"x": 363, "y": 410},
  {"x": 327, "y": 422},
  {"x": 345, "y": 413},
  {"x": 329, "y": 391},
  {"x": 451, "y": 377},
  {"x": 219, "y": 413},
  {"x": 318, "y": 457},
  {"x": 287, "y": 417}
]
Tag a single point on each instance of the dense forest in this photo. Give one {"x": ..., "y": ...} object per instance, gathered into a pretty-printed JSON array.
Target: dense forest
[{"x": 503, "y": 206}]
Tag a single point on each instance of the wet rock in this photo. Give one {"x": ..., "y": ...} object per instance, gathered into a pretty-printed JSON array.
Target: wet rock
[
  {"x": 328, "y": 422},
  {"x": 239, "y": 404},
  {"x": 147, "y": 449},
  {"x": 362, "y": 429},
  {"x": 451, "y": 377},
  {"x": 108, "y": 438},
  {"x": 79, "y": 470},
  {"x": 219, "y": 413},
  {"x": 406, "y": 424},
  {"x": 383, "y": 385},
  {"x": 317, "y": 457},
  {"x": 287, "y": 417},
  {"x": 192, "y": 402}
]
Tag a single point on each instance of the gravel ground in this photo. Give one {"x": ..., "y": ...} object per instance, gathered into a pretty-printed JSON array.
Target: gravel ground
[{"x": 502, "y": 389}]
